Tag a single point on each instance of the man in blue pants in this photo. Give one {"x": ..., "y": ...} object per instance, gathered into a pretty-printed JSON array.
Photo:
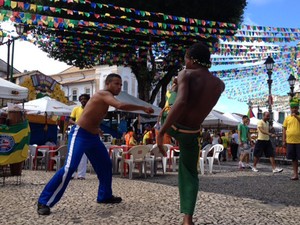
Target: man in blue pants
[{"x": 84, "y": 138}]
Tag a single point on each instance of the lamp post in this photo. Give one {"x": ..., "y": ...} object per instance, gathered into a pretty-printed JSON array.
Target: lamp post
[
  {"x": 292, "y": 81},
  {"x": 269, "y": 66},
  {"x": 11, "y": 41}
]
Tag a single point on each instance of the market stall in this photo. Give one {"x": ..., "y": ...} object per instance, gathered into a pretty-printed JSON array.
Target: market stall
[{"x": 14, "y": 130}]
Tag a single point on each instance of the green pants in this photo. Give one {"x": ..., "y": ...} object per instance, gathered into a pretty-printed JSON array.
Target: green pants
[{"x": 188, "y": 174}]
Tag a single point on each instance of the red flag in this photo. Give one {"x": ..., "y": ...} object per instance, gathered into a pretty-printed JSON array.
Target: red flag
[{"x": 250, "y": 114}]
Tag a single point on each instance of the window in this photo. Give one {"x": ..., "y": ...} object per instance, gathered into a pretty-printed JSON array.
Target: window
[
  {"x": 88, "y": 91},
  {"x": 74, "y": 95},
  {"x": 259, "y": 115},
  {"x": 281, "y": 117},
  {"x": 125, "y": 86}
]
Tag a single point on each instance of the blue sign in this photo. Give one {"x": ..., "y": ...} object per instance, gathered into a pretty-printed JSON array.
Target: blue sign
[{"x": 6, "y": 143}]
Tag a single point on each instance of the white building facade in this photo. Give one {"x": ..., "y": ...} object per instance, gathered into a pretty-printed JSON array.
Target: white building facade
[{"x": 77, "y": 81}]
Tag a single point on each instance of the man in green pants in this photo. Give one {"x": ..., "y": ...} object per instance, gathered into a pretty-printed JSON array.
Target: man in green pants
[{"x": 198, "y": 92}]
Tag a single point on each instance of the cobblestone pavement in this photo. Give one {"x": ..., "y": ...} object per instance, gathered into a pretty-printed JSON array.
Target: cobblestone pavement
[{"x": 229, "y": 196}]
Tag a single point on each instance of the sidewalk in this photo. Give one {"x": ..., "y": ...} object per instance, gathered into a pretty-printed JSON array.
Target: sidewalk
[{"x": 227, "y": 197}]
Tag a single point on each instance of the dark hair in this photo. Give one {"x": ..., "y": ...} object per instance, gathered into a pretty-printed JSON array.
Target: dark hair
[
  {"x": 147, "y": 125},
  {"x": 199, "y": 53},
  {"x": 111, "y": 76},
  {"x": 87, "y": 96},
  {"x": 245, "y": 117},
  {"x": 264, "y": 113}
]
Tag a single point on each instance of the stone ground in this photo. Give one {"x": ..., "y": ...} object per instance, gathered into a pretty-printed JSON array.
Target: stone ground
[{"x": 228, "y": 196}]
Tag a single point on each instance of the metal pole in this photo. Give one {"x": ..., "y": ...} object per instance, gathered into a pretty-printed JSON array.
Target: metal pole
[
  {"x": 270, "y": 97},
  {"x": 292, "y": 94},
  {"x": 12, "y": 61},
  {"x": 8, "y": 59}
]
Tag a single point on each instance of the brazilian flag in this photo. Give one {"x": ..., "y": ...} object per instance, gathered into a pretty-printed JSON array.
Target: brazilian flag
[
  {"x": 170, "y": 100},
  {"x": 14, "y": 143}
]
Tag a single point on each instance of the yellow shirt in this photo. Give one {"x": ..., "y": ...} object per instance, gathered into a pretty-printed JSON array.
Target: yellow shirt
[
  {"x": 264, "y": 126},
  {"x": 225, "y": 141},
  {"x": 147, "y": 135},
  {"x": 292, "y": 126},
  {"x": 76, "y": 113}
]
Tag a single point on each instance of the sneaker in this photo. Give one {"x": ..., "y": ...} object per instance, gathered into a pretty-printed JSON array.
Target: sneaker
[
  {"x": 248, "y": 166},
  {"x": 254, "y": 169},
  {"x": 111, "y": 200},
  {"x": 81, "y": 178},
  {"x": 43, "y": 209},
  {"x": 241, "y": 165},
  {"x": 277, "y": 170}
]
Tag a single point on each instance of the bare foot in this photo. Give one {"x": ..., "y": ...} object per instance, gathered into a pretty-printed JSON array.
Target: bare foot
[{"x": 188, "y": 220}]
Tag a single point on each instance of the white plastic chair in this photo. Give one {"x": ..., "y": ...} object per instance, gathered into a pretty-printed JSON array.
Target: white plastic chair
[
  {"x": 217, "y": 149},
  {"x": 159, "y": 157},
  {"x": 169, "y": 157},
  {"x": 31, "y": 156},
  {"x": 137, "y": 156},
  {"x": 175, "y": 159},
  {"x": 58, "y": 155},
  {"x": 116, "y": 157},
  {"x": 203, "y": 157},
  {"x": 42, "y": 158}
]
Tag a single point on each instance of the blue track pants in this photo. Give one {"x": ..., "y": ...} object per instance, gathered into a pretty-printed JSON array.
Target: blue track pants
[{"x": 80, "y": 141}]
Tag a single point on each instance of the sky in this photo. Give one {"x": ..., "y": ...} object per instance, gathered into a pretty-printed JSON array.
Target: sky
[{"x": 274, "y": 13}]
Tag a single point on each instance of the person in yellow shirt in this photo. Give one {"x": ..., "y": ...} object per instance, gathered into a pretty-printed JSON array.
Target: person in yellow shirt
[
  {"x": 263, "y": 144},
  {"x": 291, "y": 136},
  {"x": 74, "y": 117},
  {"x": 147, "y": 138},
  {"x": 225, "y": 144}
]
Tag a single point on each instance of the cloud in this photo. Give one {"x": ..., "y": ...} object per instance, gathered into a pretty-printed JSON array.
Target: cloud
[{"x": 248, "y": 20}]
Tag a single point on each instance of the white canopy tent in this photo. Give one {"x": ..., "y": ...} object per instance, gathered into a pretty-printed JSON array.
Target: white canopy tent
[
  {"x": 216, "y": 119},
  {"x": 9, "y": 90},
  {"x": 125, "y": 97},
  {"x": 47, "y": 105},
  {"x": 253, "y": 121}
]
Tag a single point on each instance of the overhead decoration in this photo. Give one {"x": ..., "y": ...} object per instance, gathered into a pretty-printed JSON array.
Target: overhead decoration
[{"x": 106, "y": 33}]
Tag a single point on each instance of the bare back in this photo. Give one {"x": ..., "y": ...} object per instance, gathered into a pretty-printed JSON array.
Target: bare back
[
  {"x": 202, "y": 95},
  {"x": 95, "y": 111}
]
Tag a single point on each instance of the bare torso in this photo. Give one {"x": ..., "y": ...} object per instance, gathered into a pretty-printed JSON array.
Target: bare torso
[
  {"x": 204, "y": 91},
  {"x": 94, "y": 112}
]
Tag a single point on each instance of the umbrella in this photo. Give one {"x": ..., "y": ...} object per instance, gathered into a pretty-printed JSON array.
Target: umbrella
[{"x": 48, "y": 106}]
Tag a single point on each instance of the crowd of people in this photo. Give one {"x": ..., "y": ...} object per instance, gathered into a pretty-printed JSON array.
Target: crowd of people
[
  {"x": 238, "y": 143},
  {"x": 179, "y": 122}
]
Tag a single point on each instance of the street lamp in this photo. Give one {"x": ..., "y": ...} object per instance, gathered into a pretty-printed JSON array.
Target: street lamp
[
  {"x": 292, "y": 81},
  {"x": 11, "y": 41},
  {"x": 269, "y": 66}
]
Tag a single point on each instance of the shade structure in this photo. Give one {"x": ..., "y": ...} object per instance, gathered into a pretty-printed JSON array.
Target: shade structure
[
  {"x": 9, "y": 90},
  {"x": 253, "y": 121},
  {"x": 125, "y": 97},
  {"x": 47, "y": 105},
  {"x": 218, "y": 120}
]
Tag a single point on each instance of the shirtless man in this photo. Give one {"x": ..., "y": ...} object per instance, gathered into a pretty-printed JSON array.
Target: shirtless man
[
  {"x": 198, "y": 92},
  {"x": 84, "y": 138}
]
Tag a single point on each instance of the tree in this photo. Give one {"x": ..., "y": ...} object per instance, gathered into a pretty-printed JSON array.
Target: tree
[{"x": 126, "y": 32}]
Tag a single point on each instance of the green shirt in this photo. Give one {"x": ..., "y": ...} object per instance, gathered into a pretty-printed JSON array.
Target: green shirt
[{"x": 244, "y": 130}]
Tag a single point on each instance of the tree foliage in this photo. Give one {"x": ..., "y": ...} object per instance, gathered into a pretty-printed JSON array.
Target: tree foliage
[{"x": 126, "y": 36}]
